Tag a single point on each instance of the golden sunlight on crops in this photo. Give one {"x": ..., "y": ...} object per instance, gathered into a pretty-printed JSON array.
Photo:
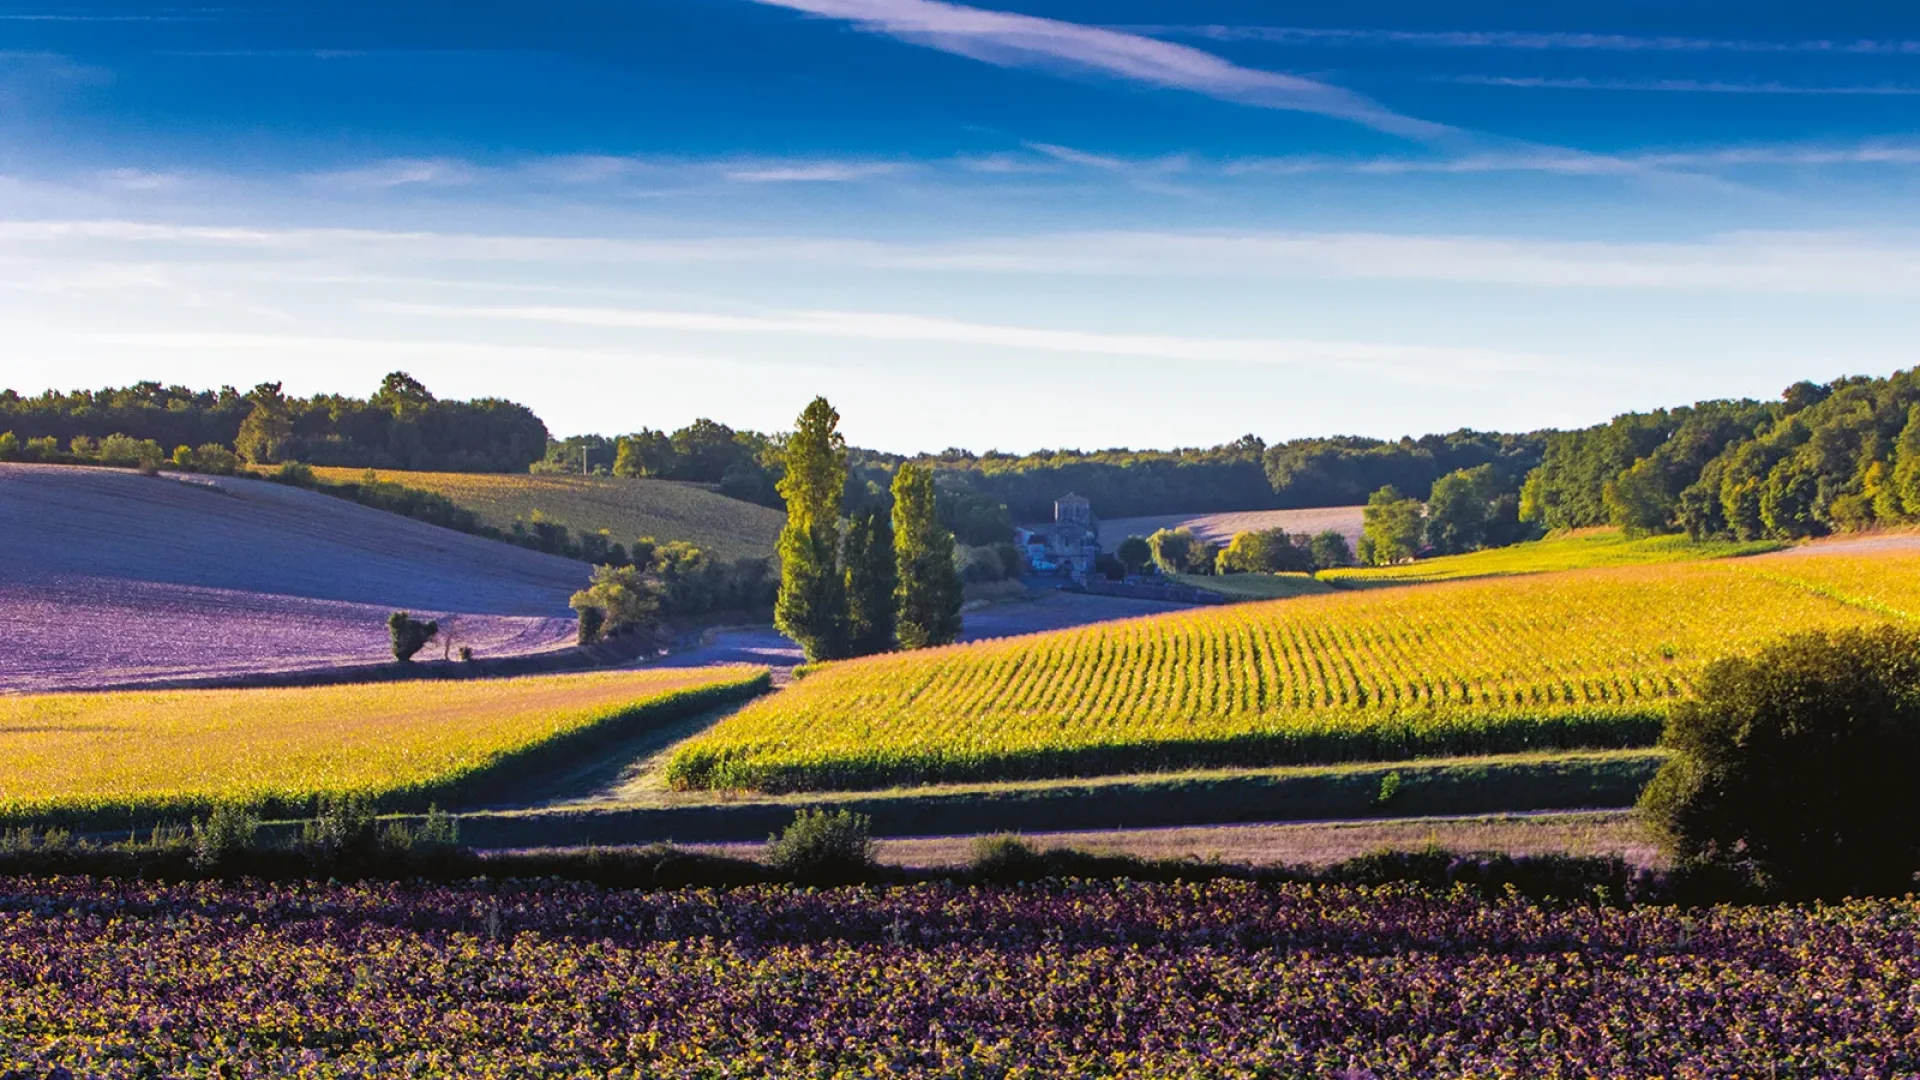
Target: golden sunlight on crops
[
  {"x": 1583, "y": 658},
  {"x": 282, "y": 747}
]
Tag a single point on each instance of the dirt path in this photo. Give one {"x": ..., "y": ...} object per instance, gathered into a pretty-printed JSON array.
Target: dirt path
[
  {"x": 1851, "y": 545},
  {"x": 1318, "y": 843}
]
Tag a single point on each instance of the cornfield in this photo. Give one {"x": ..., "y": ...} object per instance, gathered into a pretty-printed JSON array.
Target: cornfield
[
  {"x": 110, "y": 759},
  {"x": 1588, "y": 658}
]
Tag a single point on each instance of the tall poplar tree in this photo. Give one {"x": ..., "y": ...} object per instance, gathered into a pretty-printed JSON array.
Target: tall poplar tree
[
  {"x": 929, "y": 589},
  {"x": 812, "y": 606},
  {"x": 871, "y": 581}
]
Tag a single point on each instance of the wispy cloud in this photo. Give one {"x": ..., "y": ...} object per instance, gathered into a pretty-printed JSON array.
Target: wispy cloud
[
  {"x": 1885, "y": 263},
  {"x": 1417, "y": 360},
  {"x": 813, "y": 171},
  {"x": 1013, "y": 40},
  {"x": 399, "y": 172},
  {"x": 1680, "y": 86},
  {"x": 1579, "y": 163},
  {"x": 1526, "y": 40}
]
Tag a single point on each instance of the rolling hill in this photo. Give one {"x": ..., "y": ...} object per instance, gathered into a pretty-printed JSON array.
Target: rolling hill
[
  {"x": 626, "y": 508},
  {"x": 1587, "y": 658},
  {"x": 112, "y": 578}
]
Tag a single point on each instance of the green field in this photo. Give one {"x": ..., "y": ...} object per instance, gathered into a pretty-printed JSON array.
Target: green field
[
  {"x": 1256, "y": 586},
  {"x": 1582, "y": 550},
  {"x": 626, "y": 508},
  {"x": 1588, "y": 658},
  {"x": 111, "y": 759}
]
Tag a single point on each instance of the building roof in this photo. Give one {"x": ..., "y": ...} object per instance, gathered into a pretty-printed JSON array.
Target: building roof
[{"x": 1070, "y": 499}]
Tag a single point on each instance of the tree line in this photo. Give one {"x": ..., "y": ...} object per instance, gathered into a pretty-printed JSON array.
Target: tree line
[
  {"x": 402, "y": 425},
  {"x": 1837, "y": 457}
]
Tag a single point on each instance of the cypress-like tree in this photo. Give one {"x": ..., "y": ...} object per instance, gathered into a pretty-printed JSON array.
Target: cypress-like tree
[
  {"x": 929, "y": 588},
  {"x": 812, "y": 606},
  {"x": 871, "y": 581}
]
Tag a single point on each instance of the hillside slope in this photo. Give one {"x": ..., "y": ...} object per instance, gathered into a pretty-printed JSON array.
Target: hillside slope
[
  {"x": 1585, "y": 658},
  {"x": 111, "y": 577},
  {"x": 626, "y": 508}
]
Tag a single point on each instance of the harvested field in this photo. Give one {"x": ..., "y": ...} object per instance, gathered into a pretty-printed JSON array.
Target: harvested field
[
  {"x": 132, "y": 756},
  {"x": 112, "y": 578},
  {"x": 625, "y": 507},
  {"x": 1220, "y": 528}
]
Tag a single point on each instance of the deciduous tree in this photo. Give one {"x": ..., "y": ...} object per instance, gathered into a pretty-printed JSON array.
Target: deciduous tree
[
  {"x": 812, "y": 605},
  {"x": 929, "y": 587}
]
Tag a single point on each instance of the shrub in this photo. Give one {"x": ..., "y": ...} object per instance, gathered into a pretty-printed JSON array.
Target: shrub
[
  {"x": 217, "y": 459},
  {"x": 44, "y": 448},
  {"x": 183, "y": 458},
  {"x": 9, "y": 446},
  {"x": 295, "y": 474},
  {"x": 1005, "y": 857},
  {"x": 409, "y": 635},
  {"x": 592, "y": 624},
  {"x": 1795, "y": 767},
  {"x": 823, "y": 846},
  {"x": 343, "y": 826},
  {"x": 227, "y": 831}
]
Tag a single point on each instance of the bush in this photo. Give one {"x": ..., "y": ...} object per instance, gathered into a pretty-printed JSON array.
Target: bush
[
  {"x": 229, "y": 830},
  {"x": 216, "y": 459},
  {"x": 823, "y": 847},
  {"x": 344, "y": 826},
  {"x": 294, "y": 474},
  {"x": 592, "y": 625},
  {"x": 409, "y": 635},
  {"x": 9, "y": 446},
  {"x": 1795, "y": 767}
]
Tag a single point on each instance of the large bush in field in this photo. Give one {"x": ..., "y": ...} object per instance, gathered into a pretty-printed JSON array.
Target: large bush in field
[{"x": 1796, "y": 766}]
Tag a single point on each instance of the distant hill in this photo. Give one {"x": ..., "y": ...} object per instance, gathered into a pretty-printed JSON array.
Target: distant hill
[
  {"x": 1220, "y": 528},
  {"x": 625, "y": 507},
  {"x": 110, "y": 577}
]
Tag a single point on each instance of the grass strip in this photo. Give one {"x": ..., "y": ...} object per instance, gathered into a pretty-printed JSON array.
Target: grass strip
[{"x": 1482, "y": 785}]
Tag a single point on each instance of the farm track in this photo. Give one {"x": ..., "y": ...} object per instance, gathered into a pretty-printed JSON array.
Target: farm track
[{"x": 627, "y": 805}]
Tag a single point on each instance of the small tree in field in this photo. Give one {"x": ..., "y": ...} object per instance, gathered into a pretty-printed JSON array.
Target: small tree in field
[
  {"x": 409, "y": 635},
  {"x": 1796, "y": 767}
]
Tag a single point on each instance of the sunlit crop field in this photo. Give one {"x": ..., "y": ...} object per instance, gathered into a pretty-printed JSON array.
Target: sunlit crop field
[
  {"x": 115, "y": 756},
  {"x": 1082, "y": 979},
  {"x": 625, "y": 507},
  {"x": 1587, "y": 658},
  {"x": 1587, "y": 549}
]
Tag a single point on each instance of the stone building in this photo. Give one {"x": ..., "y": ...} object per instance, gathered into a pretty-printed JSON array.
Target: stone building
[{"x": 1069, "y": 545}]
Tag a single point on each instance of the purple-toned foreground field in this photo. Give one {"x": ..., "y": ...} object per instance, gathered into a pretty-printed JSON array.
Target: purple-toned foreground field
[{"x": 110, "y": 578}]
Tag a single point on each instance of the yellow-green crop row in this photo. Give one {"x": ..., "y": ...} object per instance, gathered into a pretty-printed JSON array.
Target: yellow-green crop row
[
  {"x": 113, "y": 759},
  {"x": 1588, "y": 658},
  {"x": 625, "y": 507},
  {"x": 1583, "y": 550}
]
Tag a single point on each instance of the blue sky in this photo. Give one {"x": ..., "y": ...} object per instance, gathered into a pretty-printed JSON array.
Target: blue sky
[{"x": 1014, "y": 226}]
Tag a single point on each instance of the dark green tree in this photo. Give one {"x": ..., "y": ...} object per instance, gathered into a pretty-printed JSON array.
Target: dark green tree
[
  {"x": 872, "y": 578},
  {"x": 409, "y": 635},
  {"x": 928, "y": 594},
  {"x": 1796, "y": 766},
  {"x": 1134, "y": 553},
  {"x": 1330, "y": 549},
  {"x": 1458, "y": 508},
  {"x": 812, "y": 605}
]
